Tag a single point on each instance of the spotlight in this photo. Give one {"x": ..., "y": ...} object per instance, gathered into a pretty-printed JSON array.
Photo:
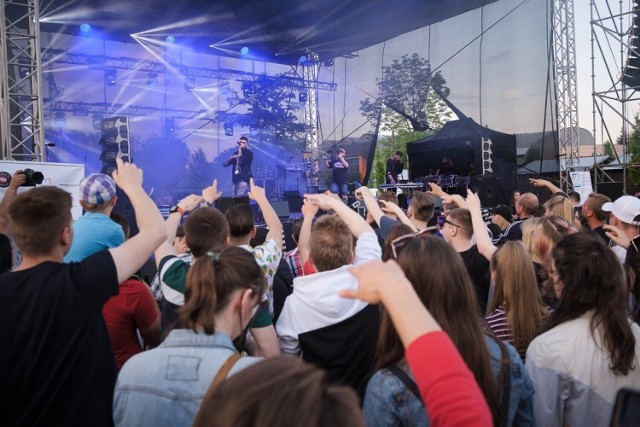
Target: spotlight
[
  {"x": 328, "y": 63},
  {"x": 225, "y": 89},
  {"x": 302, "y": 97},
  {"x": 85, "y": 28},
  {"x": 97, "y": 121},
  {"x": 170, "y": 125},
  {"x": 152, "y": 80},
  {"x": 59, "y": 119},
  {"x": 228, "y": 128},
  {"x": 244, "y": 50},
  {"x": 110, "y": 77},
  {"x": 189, "y": 84},
  {"x": 303, "y": 59},
  {"x": 170, "y": 39}
]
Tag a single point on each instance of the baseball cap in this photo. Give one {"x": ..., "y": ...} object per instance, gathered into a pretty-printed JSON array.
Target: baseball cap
[
  {"x": 625, "y": 208},
  {"x": 97, "y": 189},
  {"x": 503, "y": 211}
]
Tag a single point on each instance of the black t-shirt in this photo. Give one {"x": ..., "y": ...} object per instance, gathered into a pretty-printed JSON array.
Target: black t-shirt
[
  {"x": 340, "y": 171},
  {"x": 478, "y": 268},
  {"x": 56, "y": 364}
]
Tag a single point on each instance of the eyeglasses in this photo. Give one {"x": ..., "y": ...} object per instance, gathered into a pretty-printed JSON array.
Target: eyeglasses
[
  {"x": 446, "y": 221},
  {"x": 400, "y": 242}
]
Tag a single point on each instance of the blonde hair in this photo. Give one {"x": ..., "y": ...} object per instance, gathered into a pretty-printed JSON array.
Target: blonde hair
[
  {"x": 561, "y": 206},
  {"x": 516, "y": 286},
  {"x": 528, "y": 228},
  {"x": 330, "y": 243}
]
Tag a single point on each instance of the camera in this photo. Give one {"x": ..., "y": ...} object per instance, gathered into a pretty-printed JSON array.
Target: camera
[{"x": 33, "y": 178}]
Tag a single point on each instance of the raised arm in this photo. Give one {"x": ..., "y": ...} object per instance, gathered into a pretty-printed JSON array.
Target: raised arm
[
  {"x": 483, "y": 240},
  {"x": 10, "y": 194},
  {"x": 364, "y": 193},
  {"x": 309, "y": 210},
  {"x": 185, "y": 205},
  {"x": 133, "y": 253},
  {"x": 539, "y": 182},
  {"x": 270, "y": 216},
  {"x": 397, "y": 211},
  {"x": 357, "y": 225}
]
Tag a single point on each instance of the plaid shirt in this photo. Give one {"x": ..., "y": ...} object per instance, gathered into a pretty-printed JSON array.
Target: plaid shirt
[{"x": 293, "y": 259}]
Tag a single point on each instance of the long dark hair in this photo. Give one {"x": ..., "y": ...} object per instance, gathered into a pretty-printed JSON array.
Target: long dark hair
[
  {"x": 632, "y": 266},
  {"x": 592, "y": 279},
  {"x": 211, "y": 281},
  {"x": 444, "y": 287}
]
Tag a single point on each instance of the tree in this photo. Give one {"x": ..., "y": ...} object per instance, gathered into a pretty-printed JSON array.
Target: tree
[
  {"x": 199, "y": 168},
  {"x": 162, "y": 159},
  {"x": 634, "y": 151},
  {"x": 270, "y": 108},
  {"x": 407, "y": 100},
  {"x": 608, "y": 149}
]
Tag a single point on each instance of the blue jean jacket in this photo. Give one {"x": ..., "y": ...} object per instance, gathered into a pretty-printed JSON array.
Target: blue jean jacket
[
  {"x": 388, "y": 402},
  {"x": 165, "y": 386}
]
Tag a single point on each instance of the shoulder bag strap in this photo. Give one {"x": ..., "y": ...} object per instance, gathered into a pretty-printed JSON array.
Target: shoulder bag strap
[
  {"x": 220, "y": 376},
  {"x": 406, "y": 379},
  {"x": 505, "y": 373}
]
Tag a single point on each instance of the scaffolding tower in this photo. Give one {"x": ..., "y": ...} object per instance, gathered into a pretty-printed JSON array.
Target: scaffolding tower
[
  {"x": 566, "y": 89},
  {"x": 21, "y": 106},
  {"x": 612, "y": 41}
]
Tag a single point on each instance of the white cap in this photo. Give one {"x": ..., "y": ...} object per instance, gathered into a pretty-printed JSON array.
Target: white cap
[{"x": 625, "y": 208}]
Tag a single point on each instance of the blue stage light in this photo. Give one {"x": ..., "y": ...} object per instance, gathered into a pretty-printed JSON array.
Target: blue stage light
[
  {"x": 170, "y": 39},
  {"x": 244, "y": 50},
  {"x": 85, "y": 28}
]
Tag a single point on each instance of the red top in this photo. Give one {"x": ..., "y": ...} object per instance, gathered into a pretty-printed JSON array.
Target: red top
[
  {"x": 446, "y": 384},
  {"x": 133, "y": 308}
]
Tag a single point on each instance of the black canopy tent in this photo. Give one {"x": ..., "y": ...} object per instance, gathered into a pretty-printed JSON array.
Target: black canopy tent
[{"x": 461, "y": 141}]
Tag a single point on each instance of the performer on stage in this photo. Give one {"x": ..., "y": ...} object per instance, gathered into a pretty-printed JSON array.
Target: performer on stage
[
  {"x": 241, "y": 162},
  {"x": 340, "y": 178},
  {"x": 446, "y": 166},
  {"x": 394, "y": 168}
]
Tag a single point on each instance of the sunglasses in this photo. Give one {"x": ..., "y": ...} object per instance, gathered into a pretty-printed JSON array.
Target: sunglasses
[{"x": 400, "y": 242}]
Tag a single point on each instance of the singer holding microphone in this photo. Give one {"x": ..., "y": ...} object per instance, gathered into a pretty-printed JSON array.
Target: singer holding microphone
[{"x": 241, "y": 162}]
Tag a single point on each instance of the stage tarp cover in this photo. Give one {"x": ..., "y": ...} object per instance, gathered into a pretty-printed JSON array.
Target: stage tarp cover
[{"x": 461, "y": 141}]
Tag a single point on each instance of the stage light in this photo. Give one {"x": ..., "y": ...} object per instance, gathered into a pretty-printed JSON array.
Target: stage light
[
  {"x": 303, "y": 59},
  {"x": 189, "y": 83},
  {"x": 170, "y": 39},
  {"x": 225, "y": 89},
  {"x": 110, "y": 77},
  {"x": 152, "y": 80},
  {"x": 85, "y": 28},
  {"x": 244, "y": 50},
  {"x": 329, "y": 63},
  {"x": 228, "y": 128},
  {"x": 60, "y": 119},
  {"x": 302, "y": 97}
]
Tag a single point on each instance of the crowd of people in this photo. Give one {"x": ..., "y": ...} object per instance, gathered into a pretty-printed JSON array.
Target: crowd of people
[{"x": 529, "y": 317}]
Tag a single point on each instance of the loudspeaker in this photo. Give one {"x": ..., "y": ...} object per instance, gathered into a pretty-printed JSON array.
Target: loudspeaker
[
  {"x": 224, "y": 203},
  {"x": 489, "y": 190},
  {"x": 281, "y": 207},
  {"x": 294, "y": 199},
  {"x": 612, "y": 190}
]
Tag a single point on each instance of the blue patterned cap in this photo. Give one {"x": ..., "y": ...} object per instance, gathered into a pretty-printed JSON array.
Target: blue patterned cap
[{"x": 97, "y": 189}]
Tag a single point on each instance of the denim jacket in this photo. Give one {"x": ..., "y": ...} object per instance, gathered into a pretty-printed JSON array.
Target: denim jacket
[
  {"x": 388, "y": 402},
  {"x": 165, "y": 386}
]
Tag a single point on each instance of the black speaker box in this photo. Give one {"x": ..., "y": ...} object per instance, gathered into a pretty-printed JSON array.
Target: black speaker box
[
  {"x": 224, "y": 203},
  {"x": 489, "y": 190},
  {"x": 294, "y": 200}
]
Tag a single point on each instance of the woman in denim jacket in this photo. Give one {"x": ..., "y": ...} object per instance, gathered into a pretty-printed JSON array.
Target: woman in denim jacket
[
  {"x": 165, "y": 386},
  {"x": 442, "y": 283}
]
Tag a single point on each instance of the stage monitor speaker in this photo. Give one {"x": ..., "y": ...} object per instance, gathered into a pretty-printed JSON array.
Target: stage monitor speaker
[
  {"x": 294, "y": 199},
  {"x": 489, "y": 190},
  {"x": 281, "y": 207},
  {"x": 224, "y": 203}
]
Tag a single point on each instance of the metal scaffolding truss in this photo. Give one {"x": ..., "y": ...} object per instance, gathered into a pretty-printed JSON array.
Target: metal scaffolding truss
[
  {"x": 566, "y": 88},
  {"x": 124, "y": 63},
  {"x": 21, "y": 107},
  {"x": 611, "y": 27}
]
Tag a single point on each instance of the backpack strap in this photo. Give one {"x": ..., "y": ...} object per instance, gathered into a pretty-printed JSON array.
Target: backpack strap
[
  {"x": 220, "y": 376},
  {"x": 406, "y": 379}
]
